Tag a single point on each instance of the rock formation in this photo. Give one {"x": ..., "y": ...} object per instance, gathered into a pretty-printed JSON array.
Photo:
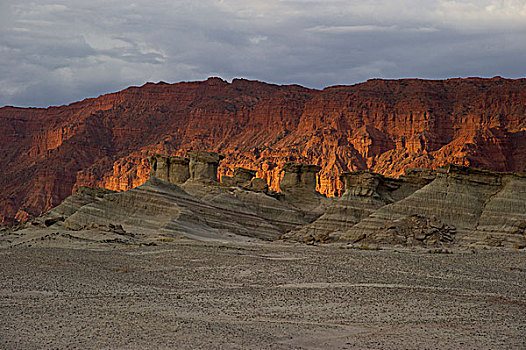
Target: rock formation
[
  {"x": 364, "y": 193},
  {"x": 464, "y": 200},
  {"x": 172, "y": 169},
  {"x": 203, "y": 165},
  {"x": 384, "y": 126},
  {"x": 454, "y": 206},
  {"x": 245, "y": 178},
  {"x": 299, "y": 178},
  {"x": 241, "y": 176}
]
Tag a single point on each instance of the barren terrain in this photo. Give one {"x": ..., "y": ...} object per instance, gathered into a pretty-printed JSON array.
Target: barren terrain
[{"x": 188, "y": 294}]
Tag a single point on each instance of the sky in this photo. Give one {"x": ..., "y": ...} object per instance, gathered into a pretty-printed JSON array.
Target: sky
[{"x": 57, "y": 52}]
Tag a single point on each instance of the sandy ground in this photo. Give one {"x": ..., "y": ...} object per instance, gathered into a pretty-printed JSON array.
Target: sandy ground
[{"x": 195, "y": 295}]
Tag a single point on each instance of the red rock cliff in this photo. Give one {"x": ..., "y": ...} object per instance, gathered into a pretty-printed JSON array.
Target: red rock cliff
[{"x": 380, "y": 125}]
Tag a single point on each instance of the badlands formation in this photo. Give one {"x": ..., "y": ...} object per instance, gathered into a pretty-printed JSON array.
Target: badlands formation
[
  {"x": 429, "y": 260},
  {"x": 455, "y": 206},
  {"x": 382, "y": 126}
]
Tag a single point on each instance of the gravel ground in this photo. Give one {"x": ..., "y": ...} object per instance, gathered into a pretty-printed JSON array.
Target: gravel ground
[{"x": 195, "y": 295}]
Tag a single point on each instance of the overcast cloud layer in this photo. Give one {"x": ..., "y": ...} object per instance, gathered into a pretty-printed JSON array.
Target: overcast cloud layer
[{"x": 56, "y": 52}]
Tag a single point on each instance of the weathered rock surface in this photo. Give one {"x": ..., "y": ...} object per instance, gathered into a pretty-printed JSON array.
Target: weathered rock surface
[
  {"x": 364, "y": 193},
  {"x": 299, "y": 188},
  {"x": 172, "y": 169},
  {"x": 467, "y": 201},
  {"x": 159, "y": 211},
  {"x": 455, "y": 206},
  {"x": 203, "y": 166},
  {"x": 242, "y": 177},
  {"x": 383, "y": 126}
]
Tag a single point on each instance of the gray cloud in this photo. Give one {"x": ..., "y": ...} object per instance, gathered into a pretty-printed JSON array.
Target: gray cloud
[{"x": 56, "y": 52}]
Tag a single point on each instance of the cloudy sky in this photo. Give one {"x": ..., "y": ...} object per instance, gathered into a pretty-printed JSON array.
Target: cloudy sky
[{"x": 56, "y": 52}]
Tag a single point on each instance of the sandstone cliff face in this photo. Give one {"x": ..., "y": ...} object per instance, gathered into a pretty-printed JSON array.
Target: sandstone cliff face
[{"x": 384, "y": 126}]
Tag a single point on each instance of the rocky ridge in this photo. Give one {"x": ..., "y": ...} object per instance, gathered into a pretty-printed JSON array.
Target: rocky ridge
[
  {"x": 383, "y": 126},
  {"x": 453, "y": 206}
]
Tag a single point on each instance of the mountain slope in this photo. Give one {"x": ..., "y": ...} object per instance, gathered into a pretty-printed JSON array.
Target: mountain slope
[{"x": 380, "y": 125}]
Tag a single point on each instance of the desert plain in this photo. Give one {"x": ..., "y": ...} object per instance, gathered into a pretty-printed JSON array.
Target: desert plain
[{"x": 188, "y": 294}]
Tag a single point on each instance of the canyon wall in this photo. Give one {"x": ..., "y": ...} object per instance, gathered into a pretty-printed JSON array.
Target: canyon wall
[{"x": 383, "y": 126}]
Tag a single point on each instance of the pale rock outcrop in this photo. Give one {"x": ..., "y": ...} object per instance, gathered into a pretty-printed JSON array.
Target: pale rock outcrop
[
  {"x": 298, "y": 188},
  {"x": 160, "y": 167},
  {"x": 169, "y": 168},
  {"x": 179, "y": 170},
  {"x": 468, "y": 202},
  {"x": 503, "y": 219},
  {"x": 277, "y": 212},
  {"x": 161, "y": 209},
  {"x": 454, "y": 206},
  {"x": 245, "y": 178},
  {"x": 81, "y": 197},
  {"x": 365, "y": 192},
  {"x": 203, "y": 165},
  {"x": 299, "y": 178}
]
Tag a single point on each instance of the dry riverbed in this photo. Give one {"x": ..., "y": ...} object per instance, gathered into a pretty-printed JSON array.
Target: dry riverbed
[{"x": 199, "y": 295}]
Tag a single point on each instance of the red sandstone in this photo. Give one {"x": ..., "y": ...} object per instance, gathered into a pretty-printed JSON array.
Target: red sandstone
[{"x": 380, "y": 125}]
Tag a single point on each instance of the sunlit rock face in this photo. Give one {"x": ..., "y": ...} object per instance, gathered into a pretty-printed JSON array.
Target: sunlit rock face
[{"x": 384, "y": 126}]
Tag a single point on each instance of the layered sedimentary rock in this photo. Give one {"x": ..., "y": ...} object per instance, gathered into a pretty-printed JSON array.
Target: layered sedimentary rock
[
  {"x": 299, "y": 188},
  {"x": 160, "y": 211},
  {"x": 467, "y": 203},
  {"x": 503, "y": 218},
  {"x": 203, "y": 165},
  {"x": 172, "y": 169},
  {"x": 364, "y": 193},
  {"x": 383, "y": 126},
  {"x": 455, "y": 206},
  {"x": 299, "y": 178},
  {"x": 82, "y": 197}
]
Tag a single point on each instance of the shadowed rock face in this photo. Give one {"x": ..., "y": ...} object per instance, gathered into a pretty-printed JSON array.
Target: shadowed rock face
[
  {"x": 453, "y": 206},
  {"x": 170, "y": 169},
  {"x": 364, "y": 193},
  {"x": 299, "y": 177},
  {"x": 245, "y": 178},
  {"x": 203, "y": 165},
  {"x": 242, "y": 176},
  {"x": 179, "y": 170},
  {"x": 259, "y": 185},
  {"x": 477, "y": 206}
]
